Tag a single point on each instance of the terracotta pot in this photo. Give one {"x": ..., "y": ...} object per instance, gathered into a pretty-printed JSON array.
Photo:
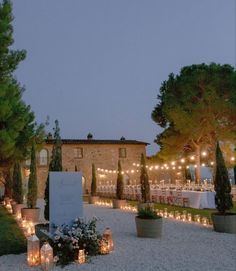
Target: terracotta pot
[
  {"x": 148, "y": 228},
  {"x": 224, "y": 223},
  {"x": 118, "y": 203},
  {"x": 16, "y": 208},
  {"x": 30, "y": 214},
  {"x": 93, "y": 199}
]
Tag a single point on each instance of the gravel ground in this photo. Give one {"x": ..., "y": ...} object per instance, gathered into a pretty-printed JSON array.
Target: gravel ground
[{"x": 183, "y": 247}]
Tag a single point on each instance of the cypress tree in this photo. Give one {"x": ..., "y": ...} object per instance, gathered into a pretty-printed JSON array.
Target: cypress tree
[
  {"x": 93, "y": 182},
  {"x": 8, "y": 184},
  {"x": 119, "y": 183},
  {"x": 55, "y": 165},
  {"x": 17, "y": 193},
  {"x": 145, "y": 187},
  {"x": 32, "y": 183},
  {"x": 223, "y": 198}
]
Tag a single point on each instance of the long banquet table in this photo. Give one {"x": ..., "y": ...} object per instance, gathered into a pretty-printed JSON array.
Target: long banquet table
[{"x": 197, "y": 199}]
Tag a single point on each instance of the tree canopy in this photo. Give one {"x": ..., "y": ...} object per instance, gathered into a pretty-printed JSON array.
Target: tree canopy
[
  {"x": 17, "y": 126},
  {"x": 197, "y": 108}
]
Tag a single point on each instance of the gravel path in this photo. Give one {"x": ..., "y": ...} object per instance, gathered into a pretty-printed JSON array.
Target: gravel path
[{"x": 183, "y": 247}]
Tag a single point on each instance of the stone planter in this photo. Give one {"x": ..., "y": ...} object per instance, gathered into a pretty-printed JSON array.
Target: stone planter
[
  {"x": 118, "y": 203},
  {"x": 30, "y": 214},
  {"x": 16, "y": 208},
  {"x": 224, "y": 223},
  {"x": 41, "y": 231},
  {"x": 148, "y": 228},
  {"x": 93, "y": 199}
]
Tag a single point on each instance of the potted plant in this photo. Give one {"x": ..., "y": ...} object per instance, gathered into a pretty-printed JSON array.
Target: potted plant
[
  {"x": 17, "y": 193},
  {"x": 119, "y": 201},
  {"x": 145, "y": 187},
  {"x": 148, "y": 223},
  {"x": 223, "y": 221},
  {"x": 32, "y": 212},
  {"x": 93, "y": 197}
]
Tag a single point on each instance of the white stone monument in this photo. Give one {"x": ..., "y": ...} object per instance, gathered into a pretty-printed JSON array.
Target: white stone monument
[{"x": 65, "y": 197}]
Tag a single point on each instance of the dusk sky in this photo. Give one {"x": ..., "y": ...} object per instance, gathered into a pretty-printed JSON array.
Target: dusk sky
[{"x": 97, "y": 65}]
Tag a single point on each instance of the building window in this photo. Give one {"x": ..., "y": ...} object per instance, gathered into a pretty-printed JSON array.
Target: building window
[
  {"x": 122, "y": 153},
  {"x": 43, "y": 157},
  {"x": 78, "y": 153}
]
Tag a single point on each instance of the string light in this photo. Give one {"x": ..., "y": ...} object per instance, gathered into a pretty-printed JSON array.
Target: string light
[{"x": 204, "y": 153}]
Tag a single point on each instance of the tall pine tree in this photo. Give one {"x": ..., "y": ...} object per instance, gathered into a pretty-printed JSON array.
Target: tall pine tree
[
  {"x": 16, "y": 118},
  {"x": 55, "y": 165}
]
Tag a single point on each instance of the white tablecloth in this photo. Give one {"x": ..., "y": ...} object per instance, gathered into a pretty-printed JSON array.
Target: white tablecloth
[{"x": 197, "y": 199}]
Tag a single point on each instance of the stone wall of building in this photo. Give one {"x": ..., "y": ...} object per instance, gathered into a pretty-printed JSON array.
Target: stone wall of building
[{"x": 104, "y": 156}]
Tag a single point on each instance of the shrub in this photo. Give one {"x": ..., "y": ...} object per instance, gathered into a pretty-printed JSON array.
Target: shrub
[{"x": 148, "y": 213}]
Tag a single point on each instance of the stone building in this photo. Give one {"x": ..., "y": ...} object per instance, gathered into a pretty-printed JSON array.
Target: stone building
[{"x": 78, "y": 155}]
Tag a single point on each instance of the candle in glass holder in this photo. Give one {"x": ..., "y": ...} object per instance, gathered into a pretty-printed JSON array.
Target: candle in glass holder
[
  {"x": 81, "y": 256},
  {"x": 177, "y": 215},
  {"x": 165, "y": 214},
  {"x": 197, "y": 218},
  {"x": 161, "y": 213},
  {"x": 104, "y": 247},
  {"x": 33, "y": 250},
  {"x": 205, "y": 221},
  {"x": 18, "y": 216},
  {"x": 46, "y": 257},
  {"x": 171, "y": 214},
  {"x": 189, "y": 217}
]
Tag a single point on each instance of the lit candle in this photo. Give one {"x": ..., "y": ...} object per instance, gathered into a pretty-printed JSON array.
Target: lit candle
[{"x": 81, "y": 256}]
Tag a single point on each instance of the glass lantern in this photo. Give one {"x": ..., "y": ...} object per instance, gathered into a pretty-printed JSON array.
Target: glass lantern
[
  {"x": 104, "y": 247},
  {"x": 46, "y": 257},
  {"x": 33, "y": 250},
  {"x": 107, "y": 236},
  {"x": 81, "y": 256}
]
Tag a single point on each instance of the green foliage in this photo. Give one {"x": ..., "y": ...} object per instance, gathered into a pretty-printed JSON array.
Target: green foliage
[
  {"x": 32, "y": 183},
  {"x": 8, "y": 184},
  {"x": 148, "y": 213},
  {"x": 196, "y": 108},
  {"x": 55, "y": 165},
  {"x": 145, "y": 187},
  {"x": 93, "y": 182},
  {"x": 12, "y": 239},
  {"x": 223, "y": 198},
  {"x": 17, "y": 193},
  {"x": 119, "y": 183},
  {"x": 89, "y": 136},
  {"x": 17, "y": 126}
]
